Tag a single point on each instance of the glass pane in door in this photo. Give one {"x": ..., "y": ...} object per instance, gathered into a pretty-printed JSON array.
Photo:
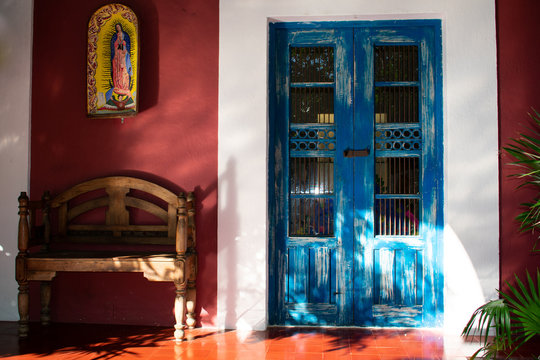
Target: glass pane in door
[{"x": 312, "y": 140}]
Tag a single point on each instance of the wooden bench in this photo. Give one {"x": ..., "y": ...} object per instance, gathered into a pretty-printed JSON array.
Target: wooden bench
[{"x": 76, "y": 231}]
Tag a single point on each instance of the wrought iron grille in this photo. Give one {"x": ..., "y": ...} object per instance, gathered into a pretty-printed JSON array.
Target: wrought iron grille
[
  {"x": 398, "y": 138},
  {"x": 398, "y": 141},
  {"x": 312, "y": 141},
  {"x": 396, "y": 63},
  {"x": 312, "y": 64}
]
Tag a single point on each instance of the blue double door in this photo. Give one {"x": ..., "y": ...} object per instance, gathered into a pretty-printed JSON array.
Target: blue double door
[{"x": 355, "y": 174}]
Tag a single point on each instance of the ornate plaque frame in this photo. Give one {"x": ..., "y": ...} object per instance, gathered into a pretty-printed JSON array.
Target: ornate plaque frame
[{"x": 113, "y": 62}]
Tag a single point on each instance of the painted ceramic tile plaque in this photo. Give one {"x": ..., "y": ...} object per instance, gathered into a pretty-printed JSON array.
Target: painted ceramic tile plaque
[{"x": 113, "y": 62}]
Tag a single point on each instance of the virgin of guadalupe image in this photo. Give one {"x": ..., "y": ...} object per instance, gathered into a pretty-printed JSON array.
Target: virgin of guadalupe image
[
  {"x": 112, "y": 62},
  {"x": 119, "y": 94}
]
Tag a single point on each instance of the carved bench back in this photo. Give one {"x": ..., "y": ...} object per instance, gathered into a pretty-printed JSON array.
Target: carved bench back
[{"x": 117, "y": 195}]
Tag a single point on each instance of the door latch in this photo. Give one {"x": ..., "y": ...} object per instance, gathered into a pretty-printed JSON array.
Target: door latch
[{"x": 355, "y": 153}]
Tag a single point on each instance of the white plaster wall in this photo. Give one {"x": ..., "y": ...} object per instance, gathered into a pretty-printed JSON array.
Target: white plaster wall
[
  {"x": 15, "y": 70},
  {"x": 470, "y": 139}
]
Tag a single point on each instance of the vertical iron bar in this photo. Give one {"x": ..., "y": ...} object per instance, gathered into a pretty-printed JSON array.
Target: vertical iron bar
[
  {"x": 386, "y": 91},
  {"x": 324, "y": 179},
  {"x": 308, "y": 176},
  {"x": 326, "y": 107},
  {"x": 398, "y": 217},
  {"x": 305, "y": 174},
  {"x": 401, "y": 64},
  {"x": 313, "y": 175},
  {"x": 410, "y": 175},
  {"x": 305, "y": 114},
  {"x": 296, "y": 216},
  {"x": 382, "y": 218},
  {"x": 411, "y": 101},
  {"x": 318, "y": 100},
  {"x": 303, "y": 57},
  {"x": 292, "y": 222},
  {"x": 411, "y": 62},
  {"x": 416, "y": 214},
  {"x": 394, "y": 63},
  {"x": 292, "y": 216},
  {"x": 325, "y": 118},
  {"x": 406, "y": 217},
  {"x": 327, "y": 221},
  {"x": 299, "y": 174},
  {"x": 388, "y": 216},
  {"x": 292, "y": 104},
  {"x": 395, "y": 105},
  {"x": 398, "y": 174},
  {"x": 303, "y": 205},
  {"x": 393, "y": 228},
  {"x": 394, "y": 175}
]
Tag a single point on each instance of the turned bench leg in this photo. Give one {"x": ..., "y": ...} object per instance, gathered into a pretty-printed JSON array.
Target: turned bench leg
[
  {"x": 23, "y": 309},
  {"x": 190, "y": 306},
  {"x": 45, "y": 302},
  {"x": 20, "y": 265},
  {"x": 179, "y": 311}
]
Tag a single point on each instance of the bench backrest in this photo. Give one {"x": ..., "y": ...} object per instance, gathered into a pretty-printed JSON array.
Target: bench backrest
[{"x": 110, "y": 203}]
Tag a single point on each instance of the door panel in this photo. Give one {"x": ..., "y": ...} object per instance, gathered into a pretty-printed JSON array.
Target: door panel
[
  {"x": 354, "y": 177},
  {"x": 392, "y": 246},
  {"x": 316, "y": 255}
]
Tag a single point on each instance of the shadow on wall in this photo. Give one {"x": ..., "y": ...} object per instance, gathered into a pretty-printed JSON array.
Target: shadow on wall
[
  {"x": 471, "y": 186},
  {"x": 243, "y": 285},
  {"x": 205, "y": 306},
  {"x": 149, "y": 56},
  {"x": 227, "y": 184},
  {"x": 463, "y": 291}
]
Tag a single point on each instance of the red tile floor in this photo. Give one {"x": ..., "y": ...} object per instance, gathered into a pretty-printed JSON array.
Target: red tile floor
[{"x": 77, "y": 341}]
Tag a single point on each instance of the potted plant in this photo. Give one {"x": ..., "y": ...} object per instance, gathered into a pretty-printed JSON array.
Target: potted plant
[{"x": 507, "y": 323}]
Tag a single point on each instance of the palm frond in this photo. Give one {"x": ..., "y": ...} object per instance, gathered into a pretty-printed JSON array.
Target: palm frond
[
  {"x": 515, "y": 317},
  {"x": 494, "y": 315},
  {"x": 524, "y": 304},
  {"x": 526, "y": 152}
]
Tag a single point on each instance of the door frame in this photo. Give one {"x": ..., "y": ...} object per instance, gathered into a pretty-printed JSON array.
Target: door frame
[{"x": 277, "y": 143}]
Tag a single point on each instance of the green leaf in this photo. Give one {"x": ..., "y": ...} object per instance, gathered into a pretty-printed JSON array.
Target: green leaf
[{"x": 524, "y": 305}]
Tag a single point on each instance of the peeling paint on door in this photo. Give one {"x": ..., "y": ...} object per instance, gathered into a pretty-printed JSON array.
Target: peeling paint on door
[{"x": 355, "y": 176}]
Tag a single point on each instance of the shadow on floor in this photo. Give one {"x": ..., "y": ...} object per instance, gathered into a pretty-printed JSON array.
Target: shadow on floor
[
  {"x": 90, "y": 341},
  {"x": 96, "y": 342}
]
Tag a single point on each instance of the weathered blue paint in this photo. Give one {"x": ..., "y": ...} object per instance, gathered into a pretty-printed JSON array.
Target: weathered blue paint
[{"x": 356, "y": 277}]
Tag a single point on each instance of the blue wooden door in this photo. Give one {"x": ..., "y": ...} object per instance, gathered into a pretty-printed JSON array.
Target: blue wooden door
[{"x": 355, "y": 174}]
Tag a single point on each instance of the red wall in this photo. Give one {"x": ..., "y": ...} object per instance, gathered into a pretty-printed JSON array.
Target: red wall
[
  {"x": 172, "y": 141},
  {"x": 519, "y": 84}
]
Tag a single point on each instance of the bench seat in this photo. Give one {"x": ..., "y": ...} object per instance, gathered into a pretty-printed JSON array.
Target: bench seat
[{"x": 155, "y": 267}]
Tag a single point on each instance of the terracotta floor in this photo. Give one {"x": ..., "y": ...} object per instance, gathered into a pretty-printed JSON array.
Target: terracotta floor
[{"x": 75, "y": 341}]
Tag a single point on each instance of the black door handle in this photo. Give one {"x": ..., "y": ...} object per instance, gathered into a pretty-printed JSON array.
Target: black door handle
[{"x": 355, "y": 153}]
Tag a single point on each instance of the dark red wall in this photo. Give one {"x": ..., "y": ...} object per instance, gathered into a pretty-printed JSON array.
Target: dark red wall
[
  {"x": 519, "y": 84},
  {"x": 172, "y": 141}
]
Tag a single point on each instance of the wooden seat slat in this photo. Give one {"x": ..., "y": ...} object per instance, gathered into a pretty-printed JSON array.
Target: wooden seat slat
[{"x": 134, "y": 228}]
